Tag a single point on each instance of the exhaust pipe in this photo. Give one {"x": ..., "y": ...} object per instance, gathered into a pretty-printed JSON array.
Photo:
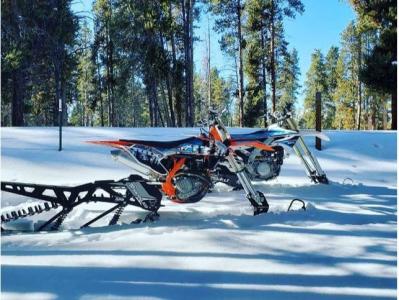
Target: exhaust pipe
[{"x": 127, "y": 158}]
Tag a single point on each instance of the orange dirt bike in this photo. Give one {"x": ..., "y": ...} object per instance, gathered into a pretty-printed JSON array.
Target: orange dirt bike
[
  {"x": 282, "y": 133},
  {"x": 184, "y": 169}
]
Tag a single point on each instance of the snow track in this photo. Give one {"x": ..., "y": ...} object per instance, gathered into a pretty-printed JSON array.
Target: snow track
[{"x": 342, "y": 247}]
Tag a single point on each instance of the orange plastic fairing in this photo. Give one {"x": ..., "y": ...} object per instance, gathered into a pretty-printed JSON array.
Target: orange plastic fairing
[
  {"x": 114, "y": 144},
  {"x": 167, "y": 186}
]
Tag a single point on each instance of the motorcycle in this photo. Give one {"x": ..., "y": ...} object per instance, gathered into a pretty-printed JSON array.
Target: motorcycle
[
  {"x": 183, "y": 170},
  {"x": 282, "y": 133},
  {"x": 186, "y": 169}
]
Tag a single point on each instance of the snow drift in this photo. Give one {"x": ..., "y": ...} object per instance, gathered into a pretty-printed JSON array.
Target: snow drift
[{"x": 342, "y": 247}]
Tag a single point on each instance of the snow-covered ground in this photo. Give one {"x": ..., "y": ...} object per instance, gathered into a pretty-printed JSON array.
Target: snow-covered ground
[{"x": 342, "y": 247}]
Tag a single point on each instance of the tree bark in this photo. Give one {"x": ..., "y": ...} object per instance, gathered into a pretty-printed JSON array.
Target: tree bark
[
  {"x": 170, "y": 116},
  {"x": 175, "y": 79},
  {"x": 264, "y": 78},
  {"x": 17, "y": 102},
  {"x": 359, "y": 105},
  {"x": 151, "y": 87},
  {"x": 17, "y": 105},
  {"x": 110, "y": 76},
  {"x": 100, "y": 85},
  {"x": 175, "y": 84},
  {"x": 272, "y": 57},
  {"x": 191, "y": 48},
  {"x": 240, "y": 70},
  {"x": 166, "y": 102},
  {"x": 359, "y": 85},
  {"x": 394, "y": 107},
  {"x": 373, "y": 116},
  {"x": 187, "y": 17}
]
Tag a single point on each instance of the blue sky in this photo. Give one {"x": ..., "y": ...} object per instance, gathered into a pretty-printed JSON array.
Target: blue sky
[{"x": 319, "y": 27}]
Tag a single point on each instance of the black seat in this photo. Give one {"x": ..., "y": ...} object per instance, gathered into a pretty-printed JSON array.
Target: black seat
[
  {"x": 255, "y": 135},
  {"x": 166, "y": 144}
]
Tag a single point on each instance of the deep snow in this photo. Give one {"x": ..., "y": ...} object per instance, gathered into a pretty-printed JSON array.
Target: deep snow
[{"x": 343, "y": 247}]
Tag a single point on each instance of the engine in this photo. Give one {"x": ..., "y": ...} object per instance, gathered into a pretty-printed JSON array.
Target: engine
[
  {"x": 265, "y": 165},
  {"x": 190, "y": 187}
]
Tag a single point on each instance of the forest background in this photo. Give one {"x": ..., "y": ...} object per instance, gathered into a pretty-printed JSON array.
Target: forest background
[{"x": 131, "y": 64}]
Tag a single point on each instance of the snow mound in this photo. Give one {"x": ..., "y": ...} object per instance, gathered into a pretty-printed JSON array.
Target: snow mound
[{"x": 342, "y": 247}]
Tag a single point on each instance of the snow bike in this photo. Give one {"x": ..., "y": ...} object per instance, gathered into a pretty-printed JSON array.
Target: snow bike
[
  {"x": 283, "y": 132},
  {"x": 186, "y": 169},
  {"x": 182, "y": 170}
]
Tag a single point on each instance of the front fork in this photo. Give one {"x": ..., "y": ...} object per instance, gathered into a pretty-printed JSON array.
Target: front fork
[
  {"x": 310, "y": 162},
  {"x": 256, "y": 198}
]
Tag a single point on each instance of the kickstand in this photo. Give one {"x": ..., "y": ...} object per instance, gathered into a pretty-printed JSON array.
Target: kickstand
[{"x": 298, "y": 200}]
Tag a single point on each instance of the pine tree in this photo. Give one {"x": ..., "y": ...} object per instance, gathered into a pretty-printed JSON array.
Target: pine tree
[
  {"x": 278, "y": 9},
  {"x": 331, "y": 73},
  {"x": 348, "y": 92},
  {"x": 84, "y": 106},
  {"x": 38, "y": 39},
  {"x": 379, "y": 72},
  {"x": 288, "y": 81},
  {"x": 316, "y": 81},
  {"x": 229, "y": 22},
  {"x": 266, "y": 51}
]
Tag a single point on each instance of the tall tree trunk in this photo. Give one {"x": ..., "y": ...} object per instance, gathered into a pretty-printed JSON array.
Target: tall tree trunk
[
  {"x": 158, "y": 109},
  {"x": 176, "y": 88},
  {"x": 394, "y": 107},
  {"x": 109, "y": 87},
  {"x": 384, "y": 118},
  {"x": 110, "y": 77},
  {"x": 359, "y": 105},
  {"x": 359, "y": 85},
  {"x": 373, "y": 115},
  {"x": 170, "y": 101},
  {"x": 151, "y": 87},
  {"x": 109, "y": 103},
  {"x": 100, "y": 85},
  {"x": 169, "y": 107},
  {"x": 187, "y": 17},
  {"x": 191, "y": 44},
  {"x": 264, "y": 78},
  {"x": 17, "y": 105},
  {"x": 209, "y": 69},
  {"x": 272, "y": 57},
  {"x": 240, "y": 70},
  {"x": 150, "y": 103},
  {"x": 175, "y": 79},
  {"x": 111, "y": 83},
  {"x": 165, "y": 102}
]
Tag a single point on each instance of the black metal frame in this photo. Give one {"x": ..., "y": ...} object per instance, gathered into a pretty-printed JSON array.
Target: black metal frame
[{"x": 121, "y": 193}]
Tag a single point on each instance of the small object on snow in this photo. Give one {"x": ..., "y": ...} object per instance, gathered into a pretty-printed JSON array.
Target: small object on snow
[
  {"x": 297, "y": 200},
  {"x": 348, "y": 179}
]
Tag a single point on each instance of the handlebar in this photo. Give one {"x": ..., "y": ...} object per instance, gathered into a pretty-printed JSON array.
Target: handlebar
[
  {"x": 278, "y": 116},
  {"x": 216, "y": 113}
]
